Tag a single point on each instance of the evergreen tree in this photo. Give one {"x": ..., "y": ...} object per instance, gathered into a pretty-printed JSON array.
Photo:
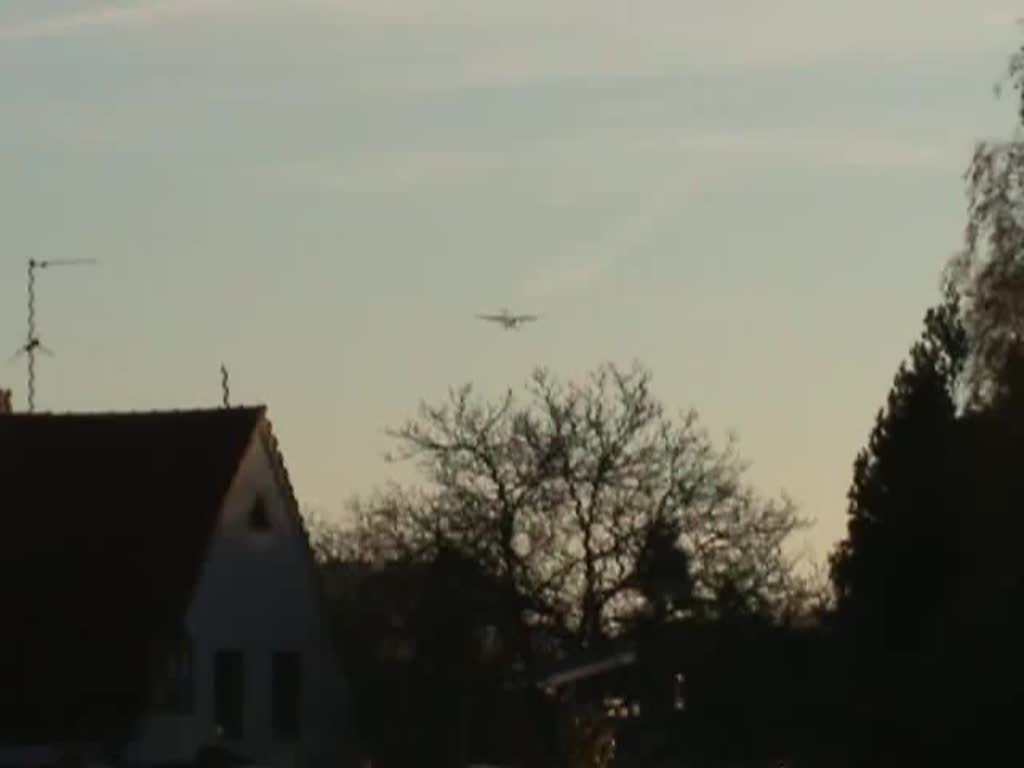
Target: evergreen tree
[
  {"x": 894, "y": 572},
  {"x": 897, "y": 489}
]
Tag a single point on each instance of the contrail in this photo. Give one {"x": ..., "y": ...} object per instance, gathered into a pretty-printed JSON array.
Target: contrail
[{"x": 102, "y": 16}]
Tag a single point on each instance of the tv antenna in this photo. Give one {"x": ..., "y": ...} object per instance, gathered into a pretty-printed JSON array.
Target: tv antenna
[{"x": 32, "y": 342}]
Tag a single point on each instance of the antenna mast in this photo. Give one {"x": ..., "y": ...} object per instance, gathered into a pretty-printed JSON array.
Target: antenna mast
[
  {"x": 225, "y": 386},
  {"x": 32, "y": 342}
]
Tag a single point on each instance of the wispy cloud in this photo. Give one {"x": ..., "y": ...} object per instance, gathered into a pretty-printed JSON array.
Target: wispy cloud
[
  {"x": 845, "y": 152},
  {"x": 624, "y": 236},
  {"x": 102, "y": 15},
  {"x": 577, "y": 273},
  {"x": 572, "y": 278},
  {"x": 555, "y": 37}
]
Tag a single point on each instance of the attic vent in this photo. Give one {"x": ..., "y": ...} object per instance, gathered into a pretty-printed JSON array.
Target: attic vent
[{"x": 258, "y": 518}]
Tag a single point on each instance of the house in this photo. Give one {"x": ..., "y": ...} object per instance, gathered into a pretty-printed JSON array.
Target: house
[{"x": 159, "y": 594}]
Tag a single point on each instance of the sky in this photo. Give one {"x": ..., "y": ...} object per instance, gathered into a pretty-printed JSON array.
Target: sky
[{"x": 753, "y": 199}]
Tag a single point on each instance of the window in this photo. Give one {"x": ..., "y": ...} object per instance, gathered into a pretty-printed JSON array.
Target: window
[
  {"x": 286, "y": 693},
  {"x": 259, "y": 520},
  {"x": 228, "y": 692},
  {"x": 174, "y": 685}
]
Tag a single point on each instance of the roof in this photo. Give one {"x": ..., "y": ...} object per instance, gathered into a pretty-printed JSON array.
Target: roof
[
  {"x": 106, "y": 520},
  {"x": 584, "y": 669},
  {"x": 580, "y": 666}
]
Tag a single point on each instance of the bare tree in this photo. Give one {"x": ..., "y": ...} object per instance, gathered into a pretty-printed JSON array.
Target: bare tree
[
  {"x": 989, "y": 271},
  {"x": 557, "y": 497}
]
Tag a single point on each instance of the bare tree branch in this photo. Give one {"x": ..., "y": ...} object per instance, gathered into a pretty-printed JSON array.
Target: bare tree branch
[{"x": 556, "y": 495}]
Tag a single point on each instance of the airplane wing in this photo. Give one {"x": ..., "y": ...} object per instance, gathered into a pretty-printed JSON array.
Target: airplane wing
[
  {"x": 493, "y": 318},
  {"x": 526, "y": 318}
]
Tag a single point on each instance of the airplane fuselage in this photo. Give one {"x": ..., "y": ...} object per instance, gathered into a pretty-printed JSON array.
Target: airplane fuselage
[{"x": 507, "y": 320}]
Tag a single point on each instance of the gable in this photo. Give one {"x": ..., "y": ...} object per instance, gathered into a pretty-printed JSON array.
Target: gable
[
  {"x": 107, "y": 518},
  {"x": 260, "y": 575},
  {"x": 260, "y": 597}
]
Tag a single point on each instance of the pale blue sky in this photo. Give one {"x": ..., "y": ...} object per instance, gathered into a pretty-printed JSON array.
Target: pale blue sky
[{"x": 752, "y": 198}]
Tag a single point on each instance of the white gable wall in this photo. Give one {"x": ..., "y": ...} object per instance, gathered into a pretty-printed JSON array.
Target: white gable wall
[{"x": 258, "y": 594}]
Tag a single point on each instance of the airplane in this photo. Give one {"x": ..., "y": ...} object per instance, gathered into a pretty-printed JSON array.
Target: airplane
[{"x": 508, "y": 320}]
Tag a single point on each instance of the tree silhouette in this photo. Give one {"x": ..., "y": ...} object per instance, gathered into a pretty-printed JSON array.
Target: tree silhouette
[
  {"x": 989, "y": 269},
  {"x": 415, "y": 640},
  {"x": 560, "y": 497},
  {"x": 930, "y": 572},
  {"x": 662, "y": 573},
  {"x": 896, "y": 571},
  {"x": 897, "y": 488}
]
